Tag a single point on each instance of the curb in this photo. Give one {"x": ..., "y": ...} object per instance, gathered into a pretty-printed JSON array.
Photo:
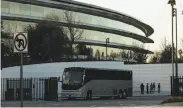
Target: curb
[
  {"x": 150, "y": 95},
  {"x": 173, "y": 100},
  {"x": 173, "y": 104}
]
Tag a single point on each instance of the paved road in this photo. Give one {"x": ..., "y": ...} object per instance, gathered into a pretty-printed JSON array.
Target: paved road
[{"x": 133, "y": 101}]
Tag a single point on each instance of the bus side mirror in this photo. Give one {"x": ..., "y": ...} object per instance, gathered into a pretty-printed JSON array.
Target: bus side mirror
[
  {"x": 60, "y": 79},
  {"x": 83, "y": 77}
]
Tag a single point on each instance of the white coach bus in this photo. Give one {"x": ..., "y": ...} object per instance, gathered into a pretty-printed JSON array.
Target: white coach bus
[
  {"x": 96, "y": 82},
  {"x": 46, "y": 70}
]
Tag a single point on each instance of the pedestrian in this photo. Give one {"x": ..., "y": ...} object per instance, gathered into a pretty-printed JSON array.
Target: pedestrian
[
  {"x": 154, "y": 88},
  {"x": 147, "y": 88},
  {"x": 151, "y": 88},
  {"x": 141, "y": 86},
  {"x": 158, "y": 87}
]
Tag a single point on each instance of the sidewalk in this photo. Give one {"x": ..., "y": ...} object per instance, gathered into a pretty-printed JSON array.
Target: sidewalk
[
  {"x": 30, "y": 103},
  {"x": 138, "y": 93},
  {"x": 173, "y": 101},
  {"x": 174, "y": 104}
]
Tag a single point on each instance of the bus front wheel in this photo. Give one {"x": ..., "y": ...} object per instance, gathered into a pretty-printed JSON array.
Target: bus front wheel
[
  {"x": 89, "y": 95},
  {"x": 122, "y": 94}
]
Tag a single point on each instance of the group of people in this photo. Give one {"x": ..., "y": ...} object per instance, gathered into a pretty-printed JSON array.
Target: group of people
[{"x": 152, "y": 88}]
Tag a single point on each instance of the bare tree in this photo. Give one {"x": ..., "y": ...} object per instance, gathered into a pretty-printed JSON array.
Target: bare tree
[
  {"x": 155, "y": 58},
  {"x": 126, "y": 55},
  {"x": 7, "y": 35},
  {"x": 123, "y": 54},
  {"x": 180, "y": 52},
  {"x": 12, "y": 27},
  {"x": 9, "y": 58},
  {"x": 164, "y": 44},
  {"x": 182, "y": 43},
  {"x": 113, "y": 55},
  {"x": 52, "y": 16},
  {"x": 74, "y": 33},
  {"x": 138, "y": 56},
  {"x": 47, "y": 42},
  {"x": 97, "y": 54}
]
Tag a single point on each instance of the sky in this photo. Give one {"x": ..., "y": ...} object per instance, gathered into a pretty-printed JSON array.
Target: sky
[{"x": 156, "y": 13}]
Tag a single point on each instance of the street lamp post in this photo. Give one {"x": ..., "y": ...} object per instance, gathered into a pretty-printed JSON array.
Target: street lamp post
[
  {"x": 176, "y": 59},
  {"x": 2, "y": 54},
  {"x": 107, "y": 41},
  {"x": 172, "y": 3},
  {"x": 176, "y": 64}
]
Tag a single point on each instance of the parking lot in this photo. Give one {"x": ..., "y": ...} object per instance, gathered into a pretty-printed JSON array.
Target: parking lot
[{"x": 131, "y": 101}]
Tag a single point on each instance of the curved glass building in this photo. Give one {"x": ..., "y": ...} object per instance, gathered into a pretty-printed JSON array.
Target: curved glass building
[{"x": 97, "y": 23}]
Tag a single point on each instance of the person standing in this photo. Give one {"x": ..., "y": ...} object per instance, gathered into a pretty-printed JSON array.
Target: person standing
[
  {"x": 154, "y": 88},
  {"x": 147, "y": 88},
  {"x": 158, "y": 87},
  {"x": 151, "y": 88},
  {"x": 141, "y": 87}
]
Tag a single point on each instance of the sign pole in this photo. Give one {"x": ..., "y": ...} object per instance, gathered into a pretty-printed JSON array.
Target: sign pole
[
  {"x": 21, "y": 79},
  {"x": 21, "y": 46}
]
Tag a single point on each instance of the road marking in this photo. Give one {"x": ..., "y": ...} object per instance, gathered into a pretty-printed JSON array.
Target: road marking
[{"x": 121, "y": 104}]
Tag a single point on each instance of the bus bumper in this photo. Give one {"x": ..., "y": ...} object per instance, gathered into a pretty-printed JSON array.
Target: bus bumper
[{"x": 68, "y": 94}]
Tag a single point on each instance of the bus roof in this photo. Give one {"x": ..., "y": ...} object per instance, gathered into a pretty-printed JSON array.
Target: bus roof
[
  {"x": 98, "y": 69},
  {"x": 55, "y": 69}
]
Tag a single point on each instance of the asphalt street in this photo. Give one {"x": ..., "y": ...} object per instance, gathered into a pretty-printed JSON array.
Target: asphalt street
[{"x": 132, "y": 101}]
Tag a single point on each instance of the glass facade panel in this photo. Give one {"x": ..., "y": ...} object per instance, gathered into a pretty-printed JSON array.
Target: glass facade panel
[
  {"x": 37, "y": 11},
  {"x": 15, "y": 26},
  {"x": 24, "y": 9},
  {"x": 14, "y": 8},
  {"x": 59, "y": 13},
  {"x": 5, "y": 6},
  {"x": 101, "y": 36},
  {"x": 40, "y": 11},
  {"x": 18, "y": 26}
]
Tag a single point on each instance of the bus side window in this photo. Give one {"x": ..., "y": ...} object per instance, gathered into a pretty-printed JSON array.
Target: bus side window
[
  {"x": 126, "y": 75},
  {"x": 87, "y": 79},
  {"x": 108, "y": 75},
  {"x": 113, "y": 75},
  {"x": 130, "y": 75},
  {"x": 116, "y": 75},
  {"x": 122, "y": 75}
]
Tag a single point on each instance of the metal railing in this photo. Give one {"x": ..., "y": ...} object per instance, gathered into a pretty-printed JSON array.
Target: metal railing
[
  {"x": 176, "y": 86},
  {"x": 33, "y": 88}
]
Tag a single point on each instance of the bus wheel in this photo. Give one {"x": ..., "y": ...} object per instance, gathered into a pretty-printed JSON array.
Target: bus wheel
[
  {"x": 89, "y": 95},
  {"x": 124, "y": 95},
  {"x": 120, "y": 95}
]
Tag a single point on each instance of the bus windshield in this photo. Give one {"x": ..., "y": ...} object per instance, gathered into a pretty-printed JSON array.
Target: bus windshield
[{"x": 72, "y": 77}]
